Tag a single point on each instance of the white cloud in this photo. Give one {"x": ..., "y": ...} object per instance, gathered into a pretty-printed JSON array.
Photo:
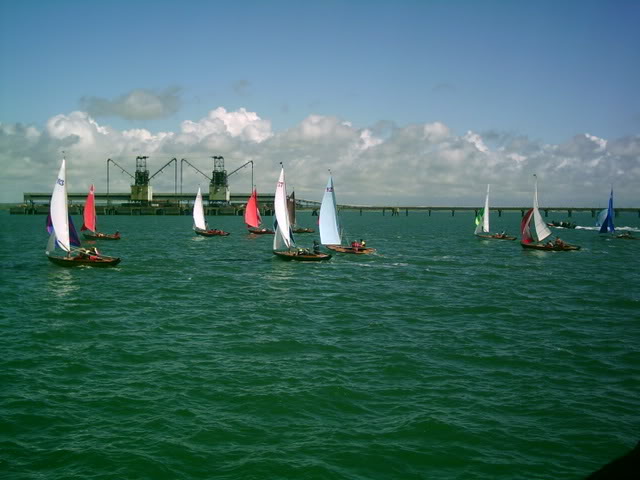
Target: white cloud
[
  {"x": 419, "y": 164},
  {"x": 601, "y": 142},
  {"x": 476, "y": 141},
  {"x": 241, "y": 123}
]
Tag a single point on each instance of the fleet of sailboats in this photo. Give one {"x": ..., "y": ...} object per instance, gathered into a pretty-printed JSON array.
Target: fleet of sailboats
[
  {"x": 63, "y": 235},
  {"x": 200, "y": 223},
  {"x": 482, "y": 224},
  {"x": 64, "y": 246},
  {"x": 89, "y": 226},
  {"x": 533, "y": 239}
]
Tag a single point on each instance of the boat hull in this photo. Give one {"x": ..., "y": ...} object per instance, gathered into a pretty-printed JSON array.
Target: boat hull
[
  {"x": 302, "y": 256},
  {"x": 77, "y": 262},
  {"x": 356, "y": 251},
  {"x": 101, "y": 236},
  {"x": 497, "y": 237},
  {"x": 303, "y": 230},
  {"x": 561, "y": 224},
  {"x": 550, "y": 248},
  {"x": 261, "y": 231},
  {"x": 211, "y": 233}
]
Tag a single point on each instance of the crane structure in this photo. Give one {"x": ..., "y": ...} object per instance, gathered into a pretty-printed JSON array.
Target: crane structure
[
  {"x": 219, "y": 192},
  {"x": 141, "y": 190},
  {"x": 219, "y": 186}
]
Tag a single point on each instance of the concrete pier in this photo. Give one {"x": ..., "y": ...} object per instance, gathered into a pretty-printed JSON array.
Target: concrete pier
[{"x": 182, "y": 204}]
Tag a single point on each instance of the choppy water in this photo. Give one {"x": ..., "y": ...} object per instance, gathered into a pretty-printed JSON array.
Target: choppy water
[{"x": 440, "y": 357}]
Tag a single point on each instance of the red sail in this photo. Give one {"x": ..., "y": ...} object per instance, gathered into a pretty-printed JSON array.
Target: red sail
[
  {"x": 524, "y": 227},
  {"x": 90, "y": 212},
  {"x": 251, "y": 213}
]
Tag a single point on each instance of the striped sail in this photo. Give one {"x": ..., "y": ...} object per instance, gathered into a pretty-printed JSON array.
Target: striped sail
[{"x": 542, "y": 231}]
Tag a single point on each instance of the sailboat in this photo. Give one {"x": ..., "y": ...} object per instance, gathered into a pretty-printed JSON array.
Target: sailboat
[
  {"x": 330, "y": 235},
  {"x": 605, "y": 220},
  {"x": 89, "y": 226},
  {"x": 482, "y": 223},
  {"x": 291, "y": 207},
  {"x": 605, "y": 217},
  {"x": 63, "y": 234},
  {"x": 252, "y": 216},
  {"x": 199, "y": 223},
  {"x": 541, "y": 230},
  {"x": 283, "y": 242}
]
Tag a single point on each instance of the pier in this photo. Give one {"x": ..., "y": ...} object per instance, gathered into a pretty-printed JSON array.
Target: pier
[{"x": 182, "y": 204}]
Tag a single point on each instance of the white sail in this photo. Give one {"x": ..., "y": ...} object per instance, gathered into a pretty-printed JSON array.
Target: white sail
[
  {"x": 483, "y": 226},
  {"x": 282, "y": 215},
  {"x": 59, "y": 210},
  {"x": 329, "y": 227},
  {"x": 198, "y": 213},
  {"x": 542, "y": 231}
]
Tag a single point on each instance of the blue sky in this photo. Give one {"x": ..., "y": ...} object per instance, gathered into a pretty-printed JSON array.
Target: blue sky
[{"x": 544, "y": 71}]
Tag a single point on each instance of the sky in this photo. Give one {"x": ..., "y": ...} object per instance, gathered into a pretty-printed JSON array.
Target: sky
[{"x": 407, "y": 102}]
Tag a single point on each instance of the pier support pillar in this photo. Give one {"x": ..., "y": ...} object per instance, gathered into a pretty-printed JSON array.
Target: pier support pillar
[
  {"x": 569, "y": 213},
  {"x": 546, "y": 212},
  {"x": 499, "y": 212},
  {"x": 453, "y": 213}
]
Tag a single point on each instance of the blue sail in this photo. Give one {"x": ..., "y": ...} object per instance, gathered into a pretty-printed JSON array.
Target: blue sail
[
  {"x": 607, "y": 223},
  {"x": 74, "y": 239}
]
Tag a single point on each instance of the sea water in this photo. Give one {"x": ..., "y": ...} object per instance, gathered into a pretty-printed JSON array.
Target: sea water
[{"x": 441, "y": 356}]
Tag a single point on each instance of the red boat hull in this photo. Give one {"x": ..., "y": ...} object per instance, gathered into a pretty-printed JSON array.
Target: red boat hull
[
  {"x": 356, "y": 251},
  {"x": 77, "y": 261},
  {"x": 261, "y": 231},
  {"x": 550, "y": 248},
  {"x": 212, "y": 233}
]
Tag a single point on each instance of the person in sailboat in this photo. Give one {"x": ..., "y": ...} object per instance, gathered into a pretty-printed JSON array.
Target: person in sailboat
[
  {"x": 559, "y": 242},
  {"x": 316, "y": 247}
]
